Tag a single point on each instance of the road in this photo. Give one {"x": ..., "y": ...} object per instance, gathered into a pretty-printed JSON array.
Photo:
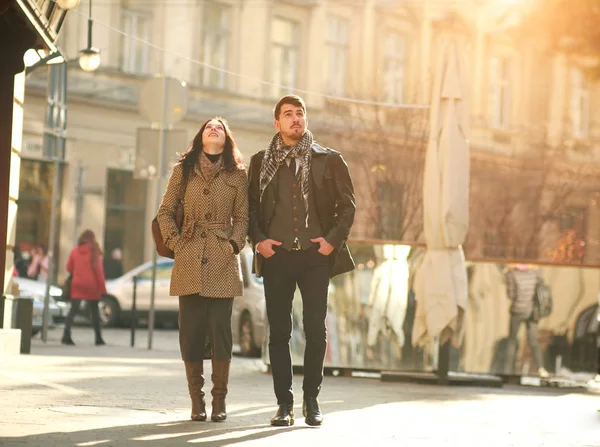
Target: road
[{"x": 115, "y": 395}]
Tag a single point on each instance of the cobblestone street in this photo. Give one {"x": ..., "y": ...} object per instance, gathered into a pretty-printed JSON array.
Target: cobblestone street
[{"x": 121, "y": 396}]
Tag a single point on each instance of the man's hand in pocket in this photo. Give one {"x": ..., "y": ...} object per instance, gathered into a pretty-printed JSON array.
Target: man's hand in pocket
[
  {"x": 265, "y": 247},
  {"x": 325, "y": 248}
]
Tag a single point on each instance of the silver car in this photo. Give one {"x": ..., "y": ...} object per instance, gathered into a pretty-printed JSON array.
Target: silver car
[
  {"x": 248, "y": 319},
  {"x": 29, "y": 288}
]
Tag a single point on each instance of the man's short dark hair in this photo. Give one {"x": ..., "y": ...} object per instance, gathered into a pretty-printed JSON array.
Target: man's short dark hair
[{"x": 294, "y": 100}]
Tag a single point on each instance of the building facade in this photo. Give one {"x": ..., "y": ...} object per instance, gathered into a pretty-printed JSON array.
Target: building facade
[
  {"x": 24, "y": 25},
  {"x": 356, "y": 63}
]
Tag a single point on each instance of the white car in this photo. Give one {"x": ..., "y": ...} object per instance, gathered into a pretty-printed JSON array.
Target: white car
[
  {"x": 29, "y": 288},
  {"x": 248, "y": 316}
]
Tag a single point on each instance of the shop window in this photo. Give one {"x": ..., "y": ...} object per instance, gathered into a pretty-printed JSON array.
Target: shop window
[{"x": 35, "y": 208}]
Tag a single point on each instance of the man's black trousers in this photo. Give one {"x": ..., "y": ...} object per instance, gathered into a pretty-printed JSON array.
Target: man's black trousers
[{"x": 309, "y": 269}]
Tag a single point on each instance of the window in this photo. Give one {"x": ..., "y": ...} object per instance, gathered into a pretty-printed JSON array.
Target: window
[
  {"x": 163, "y": 271},
  {"x": 125, "y": 217},
  {"x": 284, "y": 56},
  {"x": 571, "y": 243},
  {"x": 135, "y": 53},
  {"x": 580, "y": 104},
  {"x": 499, "y": 98},
  {"x": 495, "y": 242},
  {"x": 35, "y": 208},
  {"x": 337, "y": 53},
  {"x": 215, "y": 45},
  {"x": 390, "y": 209},
  {"x": 393, "y": 68},
  {"x": 573, "y": 219}
]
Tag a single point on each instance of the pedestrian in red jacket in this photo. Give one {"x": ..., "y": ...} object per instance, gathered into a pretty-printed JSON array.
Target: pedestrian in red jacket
[{"x": 87, "y": 283}]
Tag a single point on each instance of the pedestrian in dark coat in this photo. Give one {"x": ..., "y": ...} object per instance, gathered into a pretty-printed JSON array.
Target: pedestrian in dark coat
[
  {"x": 207, "y": 274},
  {"x": 87, "y": 283},
  {"x": 301, "y": 210},
  {"x": 113, "y": 265}
]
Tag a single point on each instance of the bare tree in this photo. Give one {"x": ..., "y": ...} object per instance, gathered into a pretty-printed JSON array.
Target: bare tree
[
  {"x": 516, "y": 200},
  {"x": 523, "y": 204},
  {"x": 385, "y": 148}
]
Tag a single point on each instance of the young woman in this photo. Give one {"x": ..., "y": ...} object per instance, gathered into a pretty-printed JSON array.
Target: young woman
[
  {"x": 38, "y": 268},
  {"x": 206, "y": 274},
  {"x": 87, "y": 283}
]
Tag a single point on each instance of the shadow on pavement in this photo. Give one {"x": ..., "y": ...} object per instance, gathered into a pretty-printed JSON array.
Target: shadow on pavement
[{"x": 177, "y": 433}]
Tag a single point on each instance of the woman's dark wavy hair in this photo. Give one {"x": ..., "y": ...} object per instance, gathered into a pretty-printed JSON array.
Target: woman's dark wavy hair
[{"x": 232, "y": 157}]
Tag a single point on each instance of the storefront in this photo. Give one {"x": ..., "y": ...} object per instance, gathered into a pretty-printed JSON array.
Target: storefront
[
  {"x": 35, "y": 203},
  {"x": 371, "y": 314}
]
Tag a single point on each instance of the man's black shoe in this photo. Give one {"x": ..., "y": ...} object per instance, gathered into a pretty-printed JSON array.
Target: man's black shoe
[
  {"x": 311, "y": 411},
  {"x": 284, "y": 416}
]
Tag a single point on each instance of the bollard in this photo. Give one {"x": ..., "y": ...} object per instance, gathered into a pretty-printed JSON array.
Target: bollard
[
  {"x": 444, "y": 363},
  {"x": 133, "y": 311},
  {"x": 23, "y": 316}
]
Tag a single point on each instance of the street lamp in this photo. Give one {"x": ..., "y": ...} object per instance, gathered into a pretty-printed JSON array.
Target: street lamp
[
  {"x": 36, "y": 58},
  {"x": 89, "y": 58}
]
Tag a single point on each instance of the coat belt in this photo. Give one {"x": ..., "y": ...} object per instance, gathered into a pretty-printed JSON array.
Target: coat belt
[{"x": 190, "y": 225}]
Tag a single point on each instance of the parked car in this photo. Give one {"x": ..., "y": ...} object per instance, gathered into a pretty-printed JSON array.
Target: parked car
[
  {"x": 29, "y": 288},
  {"x": 248, "y": 316}
]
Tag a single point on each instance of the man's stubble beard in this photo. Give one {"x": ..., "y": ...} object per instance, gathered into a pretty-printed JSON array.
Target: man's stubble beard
[{"x": 292, "y": 135}]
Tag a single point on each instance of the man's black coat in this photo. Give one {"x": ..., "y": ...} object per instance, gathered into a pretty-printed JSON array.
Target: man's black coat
[{"x": 332, "y": 190}]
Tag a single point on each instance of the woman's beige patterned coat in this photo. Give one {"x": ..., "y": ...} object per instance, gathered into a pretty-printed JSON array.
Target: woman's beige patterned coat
[{"x": 215, "y": 212}]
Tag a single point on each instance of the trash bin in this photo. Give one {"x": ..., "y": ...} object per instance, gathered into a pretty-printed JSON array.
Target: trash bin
[{"x": 18, "y": 314}]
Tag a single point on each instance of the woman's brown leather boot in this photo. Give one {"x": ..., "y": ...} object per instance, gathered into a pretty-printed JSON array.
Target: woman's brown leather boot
[
  {"x": 220, "y": 379},
  {"x": 195, "y": 378}
]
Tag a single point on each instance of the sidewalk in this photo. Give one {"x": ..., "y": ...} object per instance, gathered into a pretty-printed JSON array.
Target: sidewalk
[{"x": 120, "y": 396}]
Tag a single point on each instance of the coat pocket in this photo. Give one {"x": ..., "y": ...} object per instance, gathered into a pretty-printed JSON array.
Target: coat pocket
[{"x": 224, "y": 233}]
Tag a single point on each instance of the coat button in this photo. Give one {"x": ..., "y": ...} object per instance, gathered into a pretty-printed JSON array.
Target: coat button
[
  {"x": 203, "y": 234},
  {"x": 204, "y": 260},
  {"x": 208, "y": 216},
  {"x": 206, "y": 191},
  {"x": 294, "y": 186}
]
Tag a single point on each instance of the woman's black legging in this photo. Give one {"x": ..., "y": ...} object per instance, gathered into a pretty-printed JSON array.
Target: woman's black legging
[{"x": 93, "y": 305}]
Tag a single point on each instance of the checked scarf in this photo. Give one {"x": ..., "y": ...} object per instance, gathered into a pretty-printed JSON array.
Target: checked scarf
[
  {"x": 276, "y": 154},
  {"x": 208, "y": 169}
]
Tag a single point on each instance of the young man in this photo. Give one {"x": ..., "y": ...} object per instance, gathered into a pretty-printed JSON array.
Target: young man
[{"x": 301, "y": 211}]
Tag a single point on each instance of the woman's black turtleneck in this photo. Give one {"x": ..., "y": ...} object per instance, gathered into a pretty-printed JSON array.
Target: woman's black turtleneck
[{"x": 213, "y": 157}]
